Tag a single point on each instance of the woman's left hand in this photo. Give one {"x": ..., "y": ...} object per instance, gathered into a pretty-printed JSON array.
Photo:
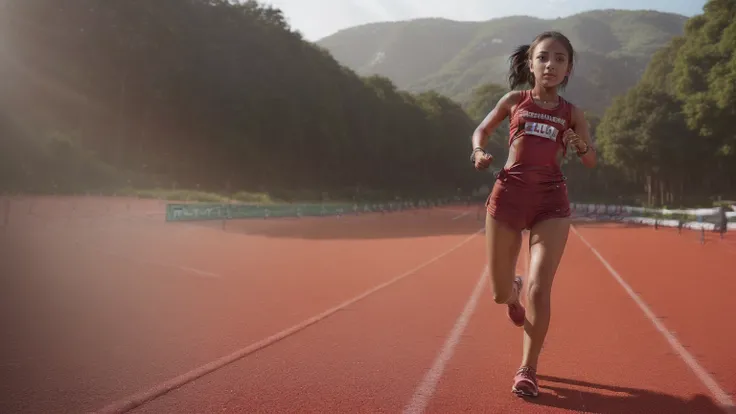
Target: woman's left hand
[{"x": 571, "y": 138}]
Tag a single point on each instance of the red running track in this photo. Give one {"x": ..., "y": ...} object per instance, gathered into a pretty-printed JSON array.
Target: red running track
[{"x": 376, "y": 313}]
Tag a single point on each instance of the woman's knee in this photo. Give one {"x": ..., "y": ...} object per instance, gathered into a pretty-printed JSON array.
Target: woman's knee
[
  {"x": 502, "y": 278},
  {"x": 503, "y": 243},
  {"x": 503, "y": 295},
  {"x": 539, "y": 293}
]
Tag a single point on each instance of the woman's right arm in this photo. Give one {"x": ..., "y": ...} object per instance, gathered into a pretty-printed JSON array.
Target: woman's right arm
[{"x": 494, "y": 118}]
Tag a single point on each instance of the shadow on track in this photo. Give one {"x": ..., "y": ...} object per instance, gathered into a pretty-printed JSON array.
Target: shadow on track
[{"x": 576, "y": 395}]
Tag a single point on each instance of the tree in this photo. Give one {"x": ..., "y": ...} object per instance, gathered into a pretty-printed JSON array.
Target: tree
[
  {"x": 670, "y": 133},
  {"x": 704, "y": 78},
  {"x": 213, "y": 94},
  {"x": 643, "y": 134}
]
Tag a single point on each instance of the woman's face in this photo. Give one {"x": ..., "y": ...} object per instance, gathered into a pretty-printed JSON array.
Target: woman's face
[{"x": 550, "y": 63}]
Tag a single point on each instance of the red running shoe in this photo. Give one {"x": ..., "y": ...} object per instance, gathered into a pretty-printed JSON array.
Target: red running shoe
[
  {"x": 516, "y": 311},
  {"x": 525, "y": 382}
]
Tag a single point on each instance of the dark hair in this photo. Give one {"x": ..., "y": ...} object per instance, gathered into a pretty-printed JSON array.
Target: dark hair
[{"x": 519, "y": 73}]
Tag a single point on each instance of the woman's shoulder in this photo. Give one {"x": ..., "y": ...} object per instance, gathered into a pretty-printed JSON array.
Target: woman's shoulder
[
  {"x": 568, "y": 103},
  {"x": 513, "y": 98},
  {"x": 574, "y": 111},
  {"x": 520, "y": 94}
]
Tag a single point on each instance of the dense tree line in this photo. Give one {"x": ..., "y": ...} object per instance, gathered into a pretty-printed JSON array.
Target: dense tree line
[
  {"x": 222, "y": 95},
  {"x": 671, "y": 136},
  {"x": 211, "y": 94}
]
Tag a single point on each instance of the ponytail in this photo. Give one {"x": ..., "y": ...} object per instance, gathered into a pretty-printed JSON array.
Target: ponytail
[{"x": 519, "y": 73}]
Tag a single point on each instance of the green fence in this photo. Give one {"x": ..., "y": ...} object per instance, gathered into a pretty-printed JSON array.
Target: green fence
[{"x": 208, "y": 211}]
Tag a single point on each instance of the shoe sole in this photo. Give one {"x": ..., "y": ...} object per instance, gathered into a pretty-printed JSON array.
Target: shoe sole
[
  {"x": 523, "y": 319},
  {"x": 524, "y": 393},
  {"x": 519, "y": 323}
]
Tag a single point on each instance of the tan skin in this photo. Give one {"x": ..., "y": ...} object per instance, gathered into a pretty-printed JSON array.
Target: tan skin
[{"x": 550, "y": 64}]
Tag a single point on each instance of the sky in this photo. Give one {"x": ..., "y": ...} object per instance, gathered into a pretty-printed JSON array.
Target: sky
[{"x": 316, "y": 19}]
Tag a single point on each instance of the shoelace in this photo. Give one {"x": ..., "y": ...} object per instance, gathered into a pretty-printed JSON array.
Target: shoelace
[
  {"x": 517, "y": 292},
  {"x": 528, "y": 373}
]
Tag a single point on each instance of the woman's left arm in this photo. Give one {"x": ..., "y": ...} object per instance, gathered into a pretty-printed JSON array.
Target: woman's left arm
[{"x": 584, "y": 145}]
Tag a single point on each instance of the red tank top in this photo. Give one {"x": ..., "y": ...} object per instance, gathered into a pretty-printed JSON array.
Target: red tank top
[{"x": 540, "y": 131}]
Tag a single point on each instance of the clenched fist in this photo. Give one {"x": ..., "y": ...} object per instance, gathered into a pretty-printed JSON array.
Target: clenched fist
[
  {"x": 482, "y": 159},
  {"x": 570, "y": 138}
]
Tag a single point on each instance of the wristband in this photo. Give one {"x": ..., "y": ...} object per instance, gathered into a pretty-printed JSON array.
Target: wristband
[
  {"x": 472, "y": 154},
  {"x": 581, "y": 153}
]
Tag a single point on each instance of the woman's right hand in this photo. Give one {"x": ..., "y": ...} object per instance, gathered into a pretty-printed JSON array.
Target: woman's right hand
[{"x": 482, "y": 160}]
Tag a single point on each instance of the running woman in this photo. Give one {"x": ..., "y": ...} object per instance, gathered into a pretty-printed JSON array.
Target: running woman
[{"x": 530, "y": 191}]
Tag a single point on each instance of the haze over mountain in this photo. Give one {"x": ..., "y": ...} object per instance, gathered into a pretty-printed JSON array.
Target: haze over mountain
[{"x": 453, "y": 58}]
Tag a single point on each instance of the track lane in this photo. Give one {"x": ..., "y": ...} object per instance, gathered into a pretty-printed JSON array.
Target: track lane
[
  {"x": 367, "y": 358},
  {"x": 119, "y": 324},
  {"x": 601, "y": 355},
  {"x": 166, "y": 321},
  {"x": 689, "y": 286}
]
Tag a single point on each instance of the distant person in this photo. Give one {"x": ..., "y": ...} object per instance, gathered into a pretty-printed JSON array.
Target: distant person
[
  {"x": 722, "y": 224},
  {"x": 530, "y": 190}
]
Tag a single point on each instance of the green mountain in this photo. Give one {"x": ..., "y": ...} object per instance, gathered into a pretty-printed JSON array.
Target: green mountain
[{"x": 452, "y": 58}]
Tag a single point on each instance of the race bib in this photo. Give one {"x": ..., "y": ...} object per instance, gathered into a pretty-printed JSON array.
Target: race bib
[{"x": 541, "y": 130}]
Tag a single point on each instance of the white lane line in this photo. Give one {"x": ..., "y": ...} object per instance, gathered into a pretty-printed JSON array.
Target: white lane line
[
  {"x": 185, "y": 269},
  {"x": 459, "y": 216},
  {"x": 130, "y": 402},
  {"x": 721, "y": 396},
  {"x": 425, "y": 390}
]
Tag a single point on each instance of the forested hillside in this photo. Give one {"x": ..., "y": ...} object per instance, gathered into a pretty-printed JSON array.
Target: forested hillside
[
  {"x": 453, "y": 58},
  {"x": 672, "y": 132},
  {"x": 100, "y": 95},
  {"x": 204, "y": 93}
]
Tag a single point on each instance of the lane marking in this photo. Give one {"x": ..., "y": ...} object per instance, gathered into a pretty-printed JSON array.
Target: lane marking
[
  {"x": 459, "y": 216},
  {"x": 721, "y": 396},
  {"x": 186, "y": 269},
  {"x": 450, "y": 210},
  {"x": 425, "y": 390},
  {"x": 135, "y": 400}
]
